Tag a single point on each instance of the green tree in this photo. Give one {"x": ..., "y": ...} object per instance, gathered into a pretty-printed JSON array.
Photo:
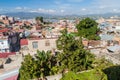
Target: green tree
[
  {"x": 1, "y": 22},
  {"x": 88, "y": 28},
  {"x": 73, "y": 57},
  {"x": 102, "y": 63},
  {"x": 113, "y": 72},
  {"x": 27, "y": 27},
  {"x": 28, "y": 68},
  {"x": 64, "y": 40},
  {"x": 43, "y": 64},
  {"x": 47, "y": 62},
  {"x": 94, "y": 74},
  {"x": 39, "y": 19}
]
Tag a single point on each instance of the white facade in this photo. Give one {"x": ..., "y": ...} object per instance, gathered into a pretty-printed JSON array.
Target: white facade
[
  {"x": 117, "y": 27},
  {"x": 4, "y": 46}
]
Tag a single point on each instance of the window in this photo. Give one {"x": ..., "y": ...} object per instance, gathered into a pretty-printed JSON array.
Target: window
[
  {"x": 47, "y": 43},
  {"x": 35, "y": 45}
]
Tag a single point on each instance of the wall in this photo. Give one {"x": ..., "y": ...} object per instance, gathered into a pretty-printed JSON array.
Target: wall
[
  {"x": 41, "y": 46},
  {"x": 4, "y": 46}
]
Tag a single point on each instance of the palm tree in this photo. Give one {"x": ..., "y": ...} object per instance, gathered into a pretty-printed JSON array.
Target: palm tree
[
  {"x": 47, "y": 63},
  {"x": 43, "y": 64}
]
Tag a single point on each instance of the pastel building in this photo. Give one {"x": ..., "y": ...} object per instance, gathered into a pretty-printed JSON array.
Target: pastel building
[
  {"x": 4, "y": 46},
  {"x": 32, "y": 45}
]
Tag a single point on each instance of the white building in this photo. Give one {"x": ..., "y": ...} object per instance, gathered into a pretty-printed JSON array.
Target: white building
[{"x": 4, "y": 46}]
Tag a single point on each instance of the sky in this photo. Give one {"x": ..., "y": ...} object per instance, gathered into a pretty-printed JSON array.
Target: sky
[{"x": 61, "y": 6}]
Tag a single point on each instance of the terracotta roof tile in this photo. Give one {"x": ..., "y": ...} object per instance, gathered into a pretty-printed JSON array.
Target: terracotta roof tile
[{"x": 23, "y": 42}]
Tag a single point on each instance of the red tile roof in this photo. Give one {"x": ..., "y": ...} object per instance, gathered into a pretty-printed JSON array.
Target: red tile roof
[
  {"x": 23, "y": 42},
  {"x": 5, "y": 55},
  {"x": 4, "y": 30}
]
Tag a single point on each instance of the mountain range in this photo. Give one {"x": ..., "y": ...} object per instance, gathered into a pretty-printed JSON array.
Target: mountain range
[{"x": 29, "y": 15}]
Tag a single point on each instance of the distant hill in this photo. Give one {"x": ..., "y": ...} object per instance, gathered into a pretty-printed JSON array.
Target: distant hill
[
  {"x": 106, "y": 15},
  {"x": 29, "y": 15}
]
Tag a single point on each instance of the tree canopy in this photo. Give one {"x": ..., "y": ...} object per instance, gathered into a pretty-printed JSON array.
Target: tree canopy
[
  {"x": 43, "y": 64},
  {"x": 89, "y": 75},
  {"x": 73, "y": 57},
  {"x": 88, "y": 28},
  {"x": 39, "y": 19}
]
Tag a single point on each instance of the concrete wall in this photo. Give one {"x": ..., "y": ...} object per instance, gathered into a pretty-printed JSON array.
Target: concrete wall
[
  {"x": 41, "y": 45},
  {"x": 114, "y": 58}
]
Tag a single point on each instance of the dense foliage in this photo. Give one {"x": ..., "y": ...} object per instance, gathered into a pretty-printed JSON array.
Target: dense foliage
[
  {"x": 43, "y": 64},
  {"x": 27, "y": 68},
  {"x": 87, "y": 28},
  {"x": 89, "y": 75},
  {"x": 113, "y": 72},
  {"x": 39, "y": 19},
  {"x": 1, "y": 22},
  {"x": 27, "y": 27},
  {"x": 102, "y": 63},
  {"x": 73, "y": 57}
]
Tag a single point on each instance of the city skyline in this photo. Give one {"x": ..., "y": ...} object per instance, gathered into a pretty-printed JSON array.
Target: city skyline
[{"x": 60, "y": 6}]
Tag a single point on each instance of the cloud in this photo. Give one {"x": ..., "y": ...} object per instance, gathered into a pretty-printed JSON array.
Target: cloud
[
  {"x": 33, "y": 11},
  {"x": 18, "y": 8},
  {"x": 51, "y": 11},
  {"x": 116, "y": 10},
  {"x": 73, "y": 7},
  {"x": 21, "y": 8},
  {"x": 59, "y": 1},
  {"x": 101, "y": 7},
  {"x": 62, "y": 11},
  {"x": 83, "y": 9},
  {"x": 46, "y": 10},
  {"x": 41, "y": 10},
  {"x": 107, "y": 5},
  {"x": 75, "y": 0}
]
